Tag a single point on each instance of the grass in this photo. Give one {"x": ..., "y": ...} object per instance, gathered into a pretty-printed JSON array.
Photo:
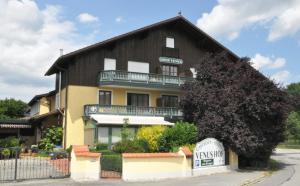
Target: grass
[{"x": 289, "y": 144}]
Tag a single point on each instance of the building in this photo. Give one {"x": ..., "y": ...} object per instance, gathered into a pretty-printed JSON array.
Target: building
[{"x": 134, "y": 76}]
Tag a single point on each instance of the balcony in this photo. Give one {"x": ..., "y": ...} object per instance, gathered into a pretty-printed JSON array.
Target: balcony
[
  {"x": 114, "y": 77},
  {"x": 132, "y": 110}
]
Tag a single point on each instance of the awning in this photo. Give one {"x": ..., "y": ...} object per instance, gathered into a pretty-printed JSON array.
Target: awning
[{"x": 132, "y": 120}]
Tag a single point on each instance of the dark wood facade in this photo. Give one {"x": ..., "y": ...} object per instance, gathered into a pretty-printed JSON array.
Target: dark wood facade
[{"x": 82, "y": 68}]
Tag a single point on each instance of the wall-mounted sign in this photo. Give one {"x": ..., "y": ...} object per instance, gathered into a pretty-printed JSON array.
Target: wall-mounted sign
[
  {"x": 209, "y": 153},
  {"x": 174, "y": 61}
]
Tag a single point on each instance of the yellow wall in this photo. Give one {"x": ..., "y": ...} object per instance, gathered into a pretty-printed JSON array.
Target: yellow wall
[
  {"x": 78, "y": 96},
  {"x": 52, "y": 102},
  {"x": 44, "y": 105}
]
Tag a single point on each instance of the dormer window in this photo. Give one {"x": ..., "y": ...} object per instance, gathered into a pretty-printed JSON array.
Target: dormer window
[{"x": 170, "y": 42}]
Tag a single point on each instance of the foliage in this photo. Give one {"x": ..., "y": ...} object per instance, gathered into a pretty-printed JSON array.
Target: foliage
[
  {"x": 5, "y": 152},
  {"x": 180, "y": 134},
  {"x": 69, "y": 149},
  {"x": 12, "y": 109},
  {"x": 131, "y": 146},
  {"x": 125, "y": 132},
  {"x": 234, "y": 103},
  {"x": 10, "y": 142},
  {"x": 100, "y": 146},
  {"x": 111, "y": 162},
  {"x": 51, "y": 136},
  {"x": 151, "y": 134},
  {"x": 293, "y": 121},
  {"x": 293, "y": 126}
]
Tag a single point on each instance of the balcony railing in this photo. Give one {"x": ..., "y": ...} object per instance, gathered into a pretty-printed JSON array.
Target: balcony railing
[
  {"x": 132, "y": 78},
  {"x": 131, "y": 110}
]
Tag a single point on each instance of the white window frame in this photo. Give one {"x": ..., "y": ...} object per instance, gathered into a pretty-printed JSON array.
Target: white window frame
[
  {"x": 170, "y": 42},
  {"x": 138, "y": 67}
]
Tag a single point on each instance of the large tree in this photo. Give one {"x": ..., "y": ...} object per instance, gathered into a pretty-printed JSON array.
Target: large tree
[
  {"x": 231, "y": 101},
  {"x": 12, "y": 109}
]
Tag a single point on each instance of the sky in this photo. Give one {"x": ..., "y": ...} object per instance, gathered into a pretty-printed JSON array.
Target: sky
[{"x": 32, "y": 32}]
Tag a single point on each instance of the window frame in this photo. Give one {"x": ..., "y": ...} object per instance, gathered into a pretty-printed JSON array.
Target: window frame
[
  {"x": 111, "y": 94},
  {"x": 166, "y": 95},
  {"x": 170, "y": 42},
  {"x": 170, "y": 70}
]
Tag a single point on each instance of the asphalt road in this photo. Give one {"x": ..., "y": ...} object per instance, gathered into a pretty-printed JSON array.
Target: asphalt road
[{"x": 289, "y": 174}]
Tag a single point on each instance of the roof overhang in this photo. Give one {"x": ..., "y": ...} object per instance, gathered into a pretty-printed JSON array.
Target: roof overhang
[{"x": 132, "y": 120}]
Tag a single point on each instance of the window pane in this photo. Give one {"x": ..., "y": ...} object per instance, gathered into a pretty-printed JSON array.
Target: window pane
[
  {"x": 170, "y": 101},
  {"x": 116, "y": 135},
  {"x": 141, "y": 100},
  {"x": 103, "y": 134},
  {"x": 104, "y": 97}
]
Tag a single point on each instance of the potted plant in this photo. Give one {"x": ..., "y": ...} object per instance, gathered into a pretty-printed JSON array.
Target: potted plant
[{"x": 5, "y": 153}]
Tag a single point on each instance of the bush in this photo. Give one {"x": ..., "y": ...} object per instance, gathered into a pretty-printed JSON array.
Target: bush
[
  {"x": 151, "y": 135},
  {"x": 131, "y": 146},
  {"x": 181, "y": 134},
  {"x": 5, "y": 152},
  {"x": 52, "y": 136},
  {"x": 100, "y": 146},
  {"x": 10, "y": 142},
  {"x": 111, "y": 162}
]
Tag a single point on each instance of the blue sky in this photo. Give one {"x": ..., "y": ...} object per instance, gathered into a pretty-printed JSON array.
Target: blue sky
[{"x": 267, "y": 32}]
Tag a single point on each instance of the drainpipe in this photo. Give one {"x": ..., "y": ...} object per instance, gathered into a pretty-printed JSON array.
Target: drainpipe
[{"x": 66, "y": 97}]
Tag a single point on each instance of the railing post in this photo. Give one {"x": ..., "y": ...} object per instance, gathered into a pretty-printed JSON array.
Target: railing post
[{"x": 16, "y": 164}]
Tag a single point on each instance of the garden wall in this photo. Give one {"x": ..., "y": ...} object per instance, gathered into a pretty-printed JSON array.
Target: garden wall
[
  {"x": 153, "y": 166},
  {"x": 84, "y": 164}
]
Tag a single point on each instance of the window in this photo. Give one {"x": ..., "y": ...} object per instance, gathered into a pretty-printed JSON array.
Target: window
[
  {"x": 109, "y": 64},
  {"x": 170, "y": 42},
  {"x": 140, "y": 100},
  {"x": 104, "y": 97},
  {"x": 141, "y": 67},
  {"x": 103, "y": 134},
  {"x": 169, "y": 101},
  {"x": 193, "y": 70},
  {"x": 169, "y": 70}
]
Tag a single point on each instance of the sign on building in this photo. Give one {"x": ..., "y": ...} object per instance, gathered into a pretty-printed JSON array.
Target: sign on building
[
  {"x": 209, "y": 153},
  {"x": 173, "y": 61}
]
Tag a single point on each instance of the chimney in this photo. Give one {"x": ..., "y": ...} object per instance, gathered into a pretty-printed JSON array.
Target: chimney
[{"x": 61, "y": 51}]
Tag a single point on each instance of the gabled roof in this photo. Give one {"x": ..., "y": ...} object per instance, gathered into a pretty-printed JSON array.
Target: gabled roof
[
  {"x": 61, "y": 60},
  {"x": 37, "y": 97}
]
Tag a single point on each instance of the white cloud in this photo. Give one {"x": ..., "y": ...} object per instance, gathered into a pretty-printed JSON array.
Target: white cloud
[
  {"x": 119, "y": 19},
  {"x": 87, "y": 18},
  {"x": 259, "y": 61},
  {"x": 281, "y": 77},
  {"x": 229, "y": 17},
  {"x": 30, "y": 39}
]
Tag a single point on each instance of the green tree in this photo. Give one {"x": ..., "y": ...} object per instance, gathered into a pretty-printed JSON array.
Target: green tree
[
  {"x": 12, "y": 109},
  {"x": 293, "y": 121},
  {"x": 51, "y": 136}
]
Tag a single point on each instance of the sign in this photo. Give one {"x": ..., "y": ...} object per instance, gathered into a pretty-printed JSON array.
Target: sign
[
  {"x": 209, "y": 153},
  {"x": 174, "y": 61}
]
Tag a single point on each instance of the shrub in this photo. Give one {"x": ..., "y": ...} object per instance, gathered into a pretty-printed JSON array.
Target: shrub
[
  {"x": 100, "y": 146},
  {"x": 131, "y": 146},
  {"x": 111, "y": 162},
  {"x": 10, "y": 142},
  {"x": 51, "y": 136},
  {"x": 179, "y": 135},
  {"x": 151, "y": 134},
  {"x": 5, "y": 152}
]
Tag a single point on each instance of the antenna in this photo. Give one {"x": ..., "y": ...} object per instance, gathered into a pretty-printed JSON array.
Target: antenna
[
  {"x": 61, "y": 51},
  {"x": 179, "y": 13}
]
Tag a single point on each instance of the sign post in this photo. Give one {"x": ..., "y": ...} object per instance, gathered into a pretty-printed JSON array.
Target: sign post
[{"x": 209, "y": 153}]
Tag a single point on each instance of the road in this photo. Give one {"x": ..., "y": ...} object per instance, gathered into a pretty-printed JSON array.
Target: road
[{"x": 289, "y": 174}]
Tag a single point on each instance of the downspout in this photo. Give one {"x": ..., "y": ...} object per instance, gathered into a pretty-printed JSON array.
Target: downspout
[{"x": 66, "y": 99}]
